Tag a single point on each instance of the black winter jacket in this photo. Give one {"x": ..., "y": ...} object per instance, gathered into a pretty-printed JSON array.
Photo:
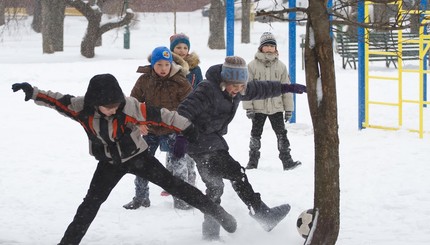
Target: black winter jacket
[{"x": 211, "y": 109}]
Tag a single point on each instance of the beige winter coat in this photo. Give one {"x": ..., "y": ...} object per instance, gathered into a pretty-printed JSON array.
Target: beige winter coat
[{"x": 268, "y": 67}]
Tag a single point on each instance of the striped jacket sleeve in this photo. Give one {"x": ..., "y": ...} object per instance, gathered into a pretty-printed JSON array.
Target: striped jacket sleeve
[
  {"x": 66, "y": 105},
  {"x": 145, "y": 114}
]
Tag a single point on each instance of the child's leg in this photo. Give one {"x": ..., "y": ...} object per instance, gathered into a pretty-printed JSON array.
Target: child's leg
[
  {"x": 141, "y": 197},
  {"x": 230, "y": 169},
  {"x": 149, "y": 167},
  {"x": 104, "y": 180},
  {"x": 214, "y": 190}
]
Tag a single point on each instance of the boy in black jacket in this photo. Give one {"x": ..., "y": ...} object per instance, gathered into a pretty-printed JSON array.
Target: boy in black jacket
[{"x": 211, "y": 107}]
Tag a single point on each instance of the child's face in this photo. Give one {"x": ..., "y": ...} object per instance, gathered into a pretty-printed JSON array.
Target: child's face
[
  {"x": 108, "y": 110},
  {"x": 233, "y": 89},
  {"x": 162, "y": 68},
  {"x": 269, "y": 48},
  {"x": 181, "y": 49}
]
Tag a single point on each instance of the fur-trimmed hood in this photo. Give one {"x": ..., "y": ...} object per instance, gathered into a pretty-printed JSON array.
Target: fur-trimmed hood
[
  {"x": 181, "y": 62},
  {"x": 193, "y": 60}
]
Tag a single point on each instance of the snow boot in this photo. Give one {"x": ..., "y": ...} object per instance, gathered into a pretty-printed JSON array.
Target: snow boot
[
  {"x": 210, "y": 229},
  {"x": 290, "y": 164},
  {"x": 287, "y": 161},
  {"x": 254, "y": 156},
  {"x": 180, "y": 204},
  {"x": 269, "y": 217},
  {"x": 137, "y": 203},
  {"x": 227, "y": 221}
]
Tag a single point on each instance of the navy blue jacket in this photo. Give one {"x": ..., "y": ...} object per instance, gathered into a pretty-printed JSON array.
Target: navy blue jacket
[{"x": 211, "y": 109}]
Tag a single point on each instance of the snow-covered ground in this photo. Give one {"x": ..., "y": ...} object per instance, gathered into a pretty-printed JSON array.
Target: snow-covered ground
[{"x": 45, "y": 167}]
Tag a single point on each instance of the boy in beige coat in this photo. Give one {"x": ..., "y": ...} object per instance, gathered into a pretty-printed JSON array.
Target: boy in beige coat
[{"x": 266, "y": 66}]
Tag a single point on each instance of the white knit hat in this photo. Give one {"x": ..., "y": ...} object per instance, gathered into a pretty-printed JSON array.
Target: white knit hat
[{"x": 267, "y": 38}]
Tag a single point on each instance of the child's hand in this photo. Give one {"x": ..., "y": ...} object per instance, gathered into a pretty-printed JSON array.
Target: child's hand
[
  {"x": 143, "y": 129},
  {"x": 26, "y": 87}
]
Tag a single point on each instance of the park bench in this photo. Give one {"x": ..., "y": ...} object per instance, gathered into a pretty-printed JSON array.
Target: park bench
[{"x": 347, "y": 48}]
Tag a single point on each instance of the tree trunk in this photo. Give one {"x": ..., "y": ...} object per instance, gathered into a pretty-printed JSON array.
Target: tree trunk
[
  {"x": 47, "y": 32},
  {"x": 37, "y": 17},
  {"x": 321, "y": 84},
  {"x": 94, "y": 30},
  {"x": 93, "y": 34},
  {"x": 52, "y": 25},
  {"x": 246, "y": 21},
  {"x": 58, "y": 8},
  {"x": 216, "y": 25},
  {"x": 2, "y": 15}
]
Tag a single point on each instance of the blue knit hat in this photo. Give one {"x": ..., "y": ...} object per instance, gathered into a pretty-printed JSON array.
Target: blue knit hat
[
  {"x": 161, "y": 53},
  {"x": 179, "y": 38},
  {"x": 234, "y": 70}
]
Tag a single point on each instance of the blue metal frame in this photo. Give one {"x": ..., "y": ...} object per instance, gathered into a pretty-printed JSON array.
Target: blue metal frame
[
  {"x": 229, "y": 9},
  {"x": 361, "y": 72},
  {"x": 292, "y": 51},
  {"x": 423, "y": 5}
]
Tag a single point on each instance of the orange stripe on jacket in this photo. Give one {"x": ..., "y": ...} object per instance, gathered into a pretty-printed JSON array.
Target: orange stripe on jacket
[
  {"x": 143, "y": 109},
  {"x": 57, "y": 104},
  {"x": 114, "y": 128},
  {"x": 161, "y": 124}
]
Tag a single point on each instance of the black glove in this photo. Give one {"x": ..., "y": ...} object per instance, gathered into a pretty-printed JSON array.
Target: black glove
[
  {"x": 26, "y": 87},
  {"x": 180, "y": 146},
  {"x": 293, "y": 88},
  {"x": 250, "y": 114},
  {"x": 191, "y": 133},
  {"x": 288, "y": 115}
]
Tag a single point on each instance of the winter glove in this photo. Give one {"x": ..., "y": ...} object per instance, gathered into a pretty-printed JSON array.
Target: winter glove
[
  {"x": 250, "y": 114},
  {"x": 180, "y": 146},
  {"x": 288, "y": 115},
  {"x": 191, "y": 133},
  {"x": 293, "y": 88},
  {"x": 26, "y": 87}
]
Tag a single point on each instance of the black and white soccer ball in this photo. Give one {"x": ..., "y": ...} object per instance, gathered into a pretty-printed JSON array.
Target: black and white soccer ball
[{"x": 304, "y": 222}]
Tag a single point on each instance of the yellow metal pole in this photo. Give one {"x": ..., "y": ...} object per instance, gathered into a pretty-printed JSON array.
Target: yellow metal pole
[
  {"x": 366, "y": 67},
  {"x": 400, "y": 64}
]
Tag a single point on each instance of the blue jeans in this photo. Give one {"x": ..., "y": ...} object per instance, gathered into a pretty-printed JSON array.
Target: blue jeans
[{"x": 183, "y": 168}]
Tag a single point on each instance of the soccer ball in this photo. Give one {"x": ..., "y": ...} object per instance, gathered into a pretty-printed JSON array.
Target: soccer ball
[{"x": 304, "y": 222}]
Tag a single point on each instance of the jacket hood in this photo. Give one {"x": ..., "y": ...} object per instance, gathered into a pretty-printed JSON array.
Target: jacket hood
[
  {"x": 103, "y": 89},
  {"x": 193, "y": 60},
  {"x": 266, "y": 58},
  {"x": 185, "y": 68},
  {"x": 214, "y": 73}
]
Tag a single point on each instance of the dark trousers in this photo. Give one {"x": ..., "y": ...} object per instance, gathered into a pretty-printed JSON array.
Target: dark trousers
[
  {"x": 215, "y": 166},
  {"x": 278, "y": 125},
  {"x": 276, "y": 120},
  {"x": 107, "y": 176},
  {"x": 165, "y": 142}
]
